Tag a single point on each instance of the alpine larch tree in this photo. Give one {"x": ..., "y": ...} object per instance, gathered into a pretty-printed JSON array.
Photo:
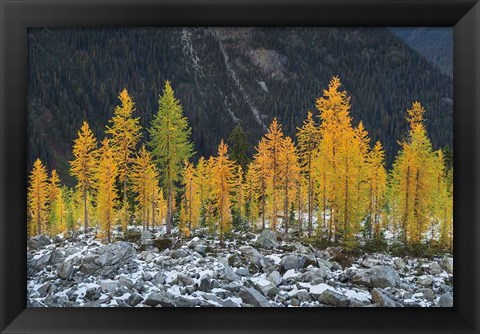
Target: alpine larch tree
[
  {"x": 106, "y": 177},
  {"x": 37, "y": 197},
  {"x": 330, "y": 173},
  {"x": 308, "y": 138},
  {"x": 125, "y": 132},
  {"x": 143, "y": 178},
  {"x": 223, "y": 170},
  {"x": 83, "y": 165},
  {"x": 413, "y": 179}
]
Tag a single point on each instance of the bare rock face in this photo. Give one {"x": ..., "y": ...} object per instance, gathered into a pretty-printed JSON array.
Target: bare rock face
[{"x": 377, "y": 277}]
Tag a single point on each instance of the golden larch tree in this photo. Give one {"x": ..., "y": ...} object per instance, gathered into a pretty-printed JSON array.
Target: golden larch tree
[
  {"x": 143, "y": 178},
  {"x": 289, "y": 170},
  {"x": 190, "y": 207},
  {"x": 57, "y": 207},
  {"x": 106, "y": 177},
  {"x": 308, "y": 139},
  {"x": 223, "y": 170},
  {"x": 413, "y": 179},
  {"x": 37, "y": 197},
  {"x": 377, "y": 187},
  {"x": 83, "y": 165},
  {"x": 273, "y": 141},
  {"x": 125, "y": 132},
  {"x": 260, "y": 176},
  {"x": 341, "y": 162}
]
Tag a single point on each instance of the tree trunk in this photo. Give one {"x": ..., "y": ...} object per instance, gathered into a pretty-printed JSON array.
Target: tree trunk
[
  {"x": 153, "y": 213},
  {"x": 169, "y": 209},
  {"x": 405, "y": 213},
  {"x": 310, "y": 199},
  {"x": 85, "y": 212}
]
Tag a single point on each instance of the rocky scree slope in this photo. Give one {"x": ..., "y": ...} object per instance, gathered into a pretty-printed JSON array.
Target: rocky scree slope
[{"x": 145, "y": 269}]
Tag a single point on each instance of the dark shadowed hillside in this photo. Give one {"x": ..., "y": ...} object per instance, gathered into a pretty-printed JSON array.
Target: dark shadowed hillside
[
  {"x": 223, "y": 77},
  {"x": 435, "y": 44}
]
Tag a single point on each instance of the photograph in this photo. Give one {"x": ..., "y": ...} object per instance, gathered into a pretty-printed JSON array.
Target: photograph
[{"x": 240, "y": 167}]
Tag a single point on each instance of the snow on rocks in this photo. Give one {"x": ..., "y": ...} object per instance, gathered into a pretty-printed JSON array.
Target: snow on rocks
[{"x": 79, "y": 271}]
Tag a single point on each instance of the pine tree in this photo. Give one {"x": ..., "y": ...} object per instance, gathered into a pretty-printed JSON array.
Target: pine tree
[
  {"x": 106, "y": 176},
  {"x": 413, "y": 179},
  {"x": 37, "y": 197},
  {"x": 170, "y": 144},
  {"x": 222, "y": 178},
  {"x": 239, "y": 146},
  {"x": 125, "y": 132},
  {"x": 308, "y": 138},
  {"x": 82, "y": 167}
]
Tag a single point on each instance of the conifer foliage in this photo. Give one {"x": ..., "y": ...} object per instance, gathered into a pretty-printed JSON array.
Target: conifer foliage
[
  {"x": 329, "y": 176},
  {"x": 84, "y": 151},
  {"x": 170, "y": 144}
]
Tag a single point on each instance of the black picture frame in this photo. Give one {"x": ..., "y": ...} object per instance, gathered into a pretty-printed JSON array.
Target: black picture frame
[{"x": 17, "y": 16}]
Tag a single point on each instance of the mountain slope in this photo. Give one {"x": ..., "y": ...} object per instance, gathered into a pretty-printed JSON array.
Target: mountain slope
[
  {"x": 223, "y": 77},
  {"x": 435, "y": 44}
]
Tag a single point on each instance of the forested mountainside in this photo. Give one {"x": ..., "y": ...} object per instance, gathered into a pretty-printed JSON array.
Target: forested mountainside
[
  {"x": 224, "y": 77},
  {"x": 435, "y": 44}
]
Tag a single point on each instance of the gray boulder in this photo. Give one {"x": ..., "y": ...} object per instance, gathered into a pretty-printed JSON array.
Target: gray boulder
[
  {"x": 108, "y": 285},
  {"x": 377, "y": 277},
  {"x": 447, "y": 264},
  {"x": 163, "y": 299},
  {"x": 146, "y": 238},
  {"x": 425, "y": 280},
  {"x": 132, "y": 235},
  {"x": 38, "y": 242},
  {"x": 178, "y": 253},
  {"x": 399, "y": 264},
  {"x": 65, "y": 270},
  {"x": 230, "y": 275},
  {"x": 292, "y": 262},
  {"x": 57, "y": 256},
  {"x": 383, "y": 298},
  {"x": 435, "y": 268},
  {"x": 253, "y": 297},
  {"x": 195, "y": 242},
  {"x": 107, "y": 260},
  {"x": 134, "y": 299},
  {"x": 251, "y": 254},
  {"x": 201, "y": 249},
  {"x": 333, "y": 298},
  {"x": 162, "y": 243},
  {"x": 183, "y": 301},
  {"x": 267, "y": 239},
  {"x": 446, "y": 300},
  {"x": 275, "y": 278},
  {"x": 205, "y": 284}
]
